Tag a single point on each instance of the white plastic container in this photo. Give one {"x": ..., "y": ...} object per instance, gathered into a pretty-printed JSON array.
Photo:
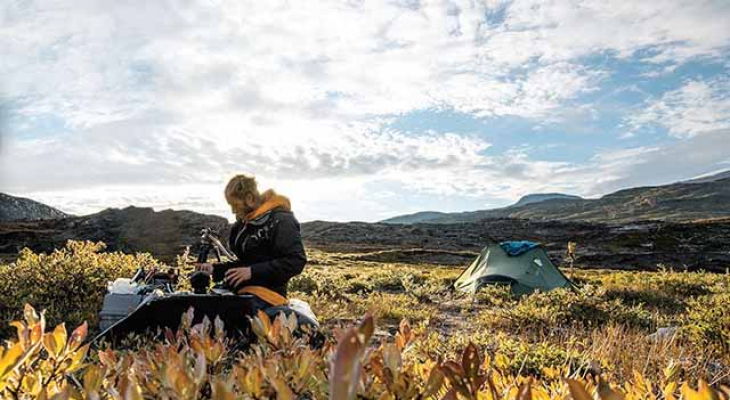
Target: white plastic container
[{"x": 122, "y": 286}]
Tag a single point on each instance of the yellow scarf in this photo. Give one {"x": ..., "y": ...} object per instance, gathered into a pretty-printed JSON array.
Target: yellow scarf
[
  {"x": 265, "y": 294},
  {"x": 271, "y": 200}
]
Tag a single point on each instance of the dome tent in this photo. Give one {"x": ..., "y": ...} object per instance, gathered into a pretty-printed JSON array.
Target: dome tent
[{"x": 523, "y": 265}]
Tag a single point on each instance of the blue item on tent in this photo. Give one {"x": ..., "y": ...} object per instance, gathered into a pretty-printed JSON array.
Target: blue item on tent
[{"x": 517, "y": 247}]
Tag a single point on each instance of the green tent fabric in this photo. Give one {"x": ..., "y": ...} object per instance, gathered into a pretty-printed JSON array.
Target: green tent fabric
[{"x": 530, "y": 271}]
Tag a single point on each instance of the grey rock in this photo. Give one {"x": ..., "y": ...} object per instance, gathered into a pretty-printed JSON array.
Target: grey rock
[{"x": 18, "y": 209}]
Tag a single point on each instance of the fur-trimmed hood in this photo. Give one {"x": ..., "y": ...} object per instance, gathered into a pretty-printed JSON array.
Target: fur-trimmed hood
[{"x": 272, "y": 201}]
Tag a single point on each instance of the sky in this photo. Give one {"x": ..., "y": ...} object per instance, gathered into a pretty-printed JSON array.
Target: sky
[{"x": 358, "y": 110}]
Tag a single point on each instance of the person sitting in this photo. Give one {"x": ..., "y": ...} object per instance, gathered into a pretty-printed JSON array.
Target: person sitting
[{"x": 266, "y": 240}]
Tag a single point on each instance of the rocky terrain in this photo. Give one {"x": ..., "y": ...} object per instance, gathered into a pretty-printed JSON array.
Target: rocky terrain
[
  {"x": 642, "y": 245},
  {"x": 164, "y": 234},
  {"x": 18, "y": 208},
  {"x": 702, "y": 244},
  {"x": 705, "y": 198}
]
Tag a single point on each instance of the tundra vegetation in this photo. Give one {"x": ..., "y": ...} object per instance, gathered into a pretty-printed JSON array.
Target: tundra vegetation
[{"x": 394, "y": 331}]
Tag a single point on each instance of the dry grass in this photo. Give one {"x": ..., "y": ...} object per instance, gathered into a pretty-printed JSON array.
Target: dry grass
[
  {"x": 606, "y": 325},
  {"x": 601, "y": 329}
]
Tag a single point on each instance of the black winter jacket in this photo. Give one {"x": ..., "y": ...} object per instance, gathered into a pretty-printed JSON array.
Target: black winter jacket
[{"x": 271, "y": 245}]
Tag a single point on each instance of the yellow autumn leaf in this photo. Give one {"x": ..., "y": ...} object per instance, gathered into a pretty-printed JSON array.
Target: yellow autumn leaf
[
  {"x": 222, "y": 390},
  {"x": 577, "y": 390},
  {"x": 77, "y": 358},
  {"x": 10, "y": 360},
  {"x": 49, "y": 343},
  {"x": 78, "y": 336},
  {"x": 36, "y": 334},
  {"x": 669, "y": 390},
  {"x": 606, "y": 393},
  {"x": 31, "y": 316},
  {"x": 689, "y": 394},
  {"x": 59, "y": 337},
  {"x": 706, "y": 391}
]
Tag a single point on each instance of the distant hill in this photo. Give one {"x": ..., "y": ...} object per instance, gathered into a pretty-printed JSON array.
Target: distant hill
[
  {"x": 710, "y": 178},
  {"x": 133, "y": 229},
  {"x": 685, "y": 201},
  {"x": 420, "y": 217},
  {"x": 624, "y": 243},
  {"x": 441, "y": 217},
  {"x": 536, "y": 198},
  {"x": 18, "y": 208}
]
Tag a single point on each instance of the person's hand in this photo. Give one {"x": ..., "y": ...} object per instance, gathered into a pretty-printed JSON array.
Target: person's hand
[
  {"x": 236, "y": 276},
  {"x": 205, "y": 267}
]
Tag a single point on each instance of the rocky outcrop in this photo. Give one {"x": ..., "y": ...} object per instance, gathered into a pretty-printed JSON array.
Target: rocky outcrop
[
  {"x": 163, "y": 234},
  {"x": 18, "y": 208}
]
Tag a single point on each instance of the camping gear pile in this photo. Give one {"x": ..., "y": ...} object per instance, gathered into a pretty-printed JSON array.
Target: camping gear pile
[
  {"x": 150, "y": 302},
  {"x": 523, "y": 265}
]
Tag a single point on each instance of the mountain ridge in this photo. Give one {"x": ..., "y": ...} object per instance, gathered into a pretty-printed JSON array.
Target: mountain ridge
[
  {"x": 682, "y": 201},
  {"x": 166, "y": 234},
  {"x": 538, "y": 197},
  {"x": 714, "y": 177}
]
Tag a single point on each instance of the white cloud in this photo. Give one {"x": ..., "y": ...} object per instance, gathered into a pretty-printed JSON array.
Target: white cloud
[
  {"x": 697, "y": 106},
  {"x": 674, "y": 31},
  {"x": 121, "y": 153},
  {"x": 461, "y": 178},
  {"x": 345, "y": 59},
  {"x": 173, "y": 94},
  {"x": 661, "y": 164}
]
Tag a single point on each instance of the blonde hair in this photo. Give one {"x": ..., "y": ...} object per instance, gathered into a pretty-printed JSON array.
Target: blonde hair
[{"x": 241, "y": 185}]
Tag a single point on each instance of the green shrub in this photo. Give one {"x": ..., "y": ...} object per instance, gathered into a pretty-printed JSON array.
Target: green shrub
[
  {"x": 69, "y": 283},
  {"x": 665, "y": 292},
  {"x": 650, "y": 298},
  {"x": 304, "y": 283},
  {"x": 566, "y": 308},
  {"x": 708, "y": 321},
  {"x": 496, "y": 296},
  {"x": 520, "y": 357}
]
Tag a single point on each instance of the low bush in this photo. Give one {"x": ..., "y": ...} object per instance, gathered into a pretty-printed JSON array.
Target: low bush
[
  {"x": 608, "y": 322},
  {"x": 708, "y": 322},
  {"x": 496, "y": 296},
  {"x": 564, "y": 308},
  {"x": 197, "y": 363},
  {"x": 537, "y": 359},
  {"x": 69, "y": 283}
]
